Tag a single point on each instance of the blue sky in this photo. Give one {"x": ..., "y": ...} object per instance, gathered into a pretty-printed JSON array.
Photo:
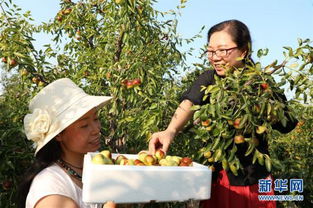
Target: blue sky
[{"x": 273, "y": 23}]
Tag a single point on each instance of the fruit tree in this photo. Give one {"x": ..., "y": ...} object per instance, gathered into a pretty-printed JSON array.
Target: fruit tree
[{"x": 122, "y": 48}]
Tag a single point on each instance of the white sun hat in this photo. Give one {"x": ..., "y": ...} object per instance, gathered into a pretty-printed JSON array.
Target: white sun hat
[{"x": 55, "y": 107}]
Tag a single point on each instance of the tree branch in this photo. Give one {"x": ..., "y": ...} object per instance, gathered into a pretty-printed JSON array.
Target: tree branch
[
  {"x": 119, "y": 45},
  {"x": 283, "y": 64}
]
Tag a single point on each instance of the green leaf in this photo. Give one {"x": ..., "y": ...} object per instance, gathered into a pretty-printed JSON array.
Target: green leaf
[
  {"x": 153, "y": 106},
  {"x": 250, "y": 149},
  {"x": 225, "y": 164},
  {"x": 243, "y": 121},
  {"x": 228, "y": 142},
  {"x": 299, "y": 52},
  {"x": 196, "y": 115},
  {"x": 217, "y": 155},
  {"x": 284, "y": 122},
  {"x": 232, "y": 153},
  {"x": 195, "y": 107},
  {"x": 129, "y": 119},
  {"x": 290, "y": 52},
  {"x": 268, "y": 163},
  {"x": 292, "y": 83},
  {"x": 212, "y": 110},
  {"x": 260, "y": 53},
  {"x": 299, "y": 41},
  {"x": 233, "y": 169},
  {"x": 216, "y": 143},
  {"x": 255, "y": 156},
  {"x": 269, "y": 109},
  {"x": 260, "y": 158},
  {"x": 211, "y": 89},
  {"x": 19, "y": 55}
]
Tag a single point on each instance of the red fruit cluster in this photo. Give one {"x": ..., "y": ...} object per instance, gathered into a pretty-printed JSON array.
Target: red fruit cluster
[
  {"x": 6, "y": 185},
  {"x": 13, "y": 62},
  {"x": 131, "y": 83},
  {"x": 63, "y": 13},
  {"x": 264, "y": 86},
  {"x": 66, "y": 11},
  {"x": 238, "y": 139},
  {"x": 205, "y": 123},
  {"x": 236, "y": 123},
  {"x": 185, "y": 161},
  {"x": 4, "y": 60},
  {"x": 78, "y": 35}
]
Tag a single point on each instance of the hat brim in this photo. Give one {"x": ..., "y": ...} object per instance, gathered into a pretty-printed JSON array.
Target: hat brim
[{"x": 73, "y": 113}]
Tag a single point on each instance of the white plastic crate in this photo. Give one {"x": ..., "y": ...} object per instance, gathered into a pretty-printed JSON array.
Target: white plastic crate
[{"x": 142, "y": 184}]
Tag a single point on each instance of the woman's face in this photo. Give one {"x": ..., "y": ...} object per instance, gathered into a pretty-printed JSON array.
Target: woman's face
[
  {"x": 223, "y": 53},
  {"x": 83, "y": 135}
]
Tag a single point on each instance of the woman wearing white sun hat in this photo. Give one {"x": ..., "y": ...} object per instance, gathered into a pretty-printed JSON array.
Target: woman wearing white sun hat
[{"x": 64, "y": 125}]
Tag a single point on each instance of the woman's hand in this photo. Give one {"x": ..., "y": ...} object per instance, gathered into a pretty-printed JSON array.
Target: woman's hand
[
  {"x": 161, "y": 140},
  {"x": 109, "y": 204}
]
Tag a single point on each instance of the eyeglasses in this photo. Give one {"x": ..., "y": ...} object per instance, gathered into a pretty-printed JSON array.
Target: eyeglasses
[{"x": 220, "y": 52}]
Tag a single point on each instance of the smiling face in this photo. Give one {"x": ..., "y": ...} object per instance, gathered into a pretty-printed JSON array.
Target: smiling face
[
  {"x": 223, "y": 52},
  {"x": 82, "y": 136}
]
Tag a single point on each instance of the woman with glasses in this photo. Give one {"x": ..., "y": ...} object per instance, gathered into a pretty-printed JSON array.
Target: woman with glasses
[{"x": 229, "y": 47}]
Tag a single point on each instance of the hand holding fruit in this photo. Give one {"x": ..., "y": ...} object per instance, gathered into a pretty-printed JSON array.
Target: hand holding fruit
[{"x": 161, "y": 140}]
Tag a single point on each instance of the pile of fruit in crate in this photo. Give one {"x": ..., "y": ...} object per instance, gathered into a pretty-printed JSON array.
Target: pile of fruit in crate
[{"x": 143, "y": 159}]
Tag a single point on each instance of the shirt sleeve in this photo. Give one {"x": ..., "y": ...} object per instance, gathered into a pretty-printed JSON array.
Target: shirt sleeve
[
  {"x": 49, "y": 182},
  {"x": 194, "y": 93}
]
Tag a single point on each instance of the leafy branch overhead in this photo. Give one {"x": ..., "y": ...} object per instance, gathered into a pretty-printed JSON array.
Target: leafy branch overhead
[{"x": 115, "y": 47}]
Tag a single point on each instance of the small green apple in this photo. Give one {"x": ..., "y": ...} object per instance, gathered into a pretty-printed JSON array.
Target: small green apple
[
  {"x": 159, "y": 154},
  {"x": 138, "y": 162},
  {"x": 168, "y": 157},
  {"x": 107, "y": 161},
  {"x": 98, "y": 159},
  {"x": 261, "y": 129},
  {"x": 163, "y": 162},
  {"x": 124, "y": 161},
  {"x": 239, "y": 139},
  {"x": 119, "y": 158},
  {"x": 149, "y": 160},
  {"x": 106, "y": 153},
  {"x": 142, "y": 155},
  {"x": 172, "y": 163},
  {"x": 207, "y": 154},
  {"x": 177, "y": 159},
  {"x": 130, "y": 162}
]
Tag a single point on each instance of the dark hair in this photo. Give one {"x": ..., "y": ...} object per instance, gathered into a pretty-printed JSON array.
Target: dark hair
[
  {"x": 50, "y": 153},
  {"x": 238, "y": 31}
]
